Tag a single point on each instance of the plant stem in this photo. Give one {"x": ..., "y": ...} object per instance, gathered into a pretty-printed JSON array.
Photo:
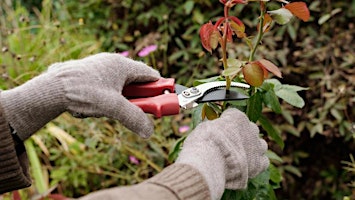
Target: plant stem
[
  {"x": 260, "y": 32},
  {"x": 224, "y": 47},
  {"x": 224, "y": 60}
]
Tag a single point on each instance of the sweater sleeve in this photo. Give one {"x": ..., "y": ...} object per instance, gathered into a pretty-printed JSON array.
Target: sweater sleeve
[
  {"x": 176, "y": 182},
  {"x": 14, "y": 173}
]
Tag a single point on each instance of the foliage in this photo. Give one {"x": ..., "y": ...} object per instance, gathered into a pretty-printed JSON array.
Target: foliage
[
  {"x": 350, "y": 167},
  {"x": 262, "y": 93},
  {"x": 315, "y": 138},
  {"x": 31, "y": 43}
]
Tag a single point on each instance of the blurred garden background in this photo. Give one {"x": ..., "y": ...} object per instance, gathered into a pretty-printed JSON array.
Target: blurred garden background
[{"x": 73, "y": 157}]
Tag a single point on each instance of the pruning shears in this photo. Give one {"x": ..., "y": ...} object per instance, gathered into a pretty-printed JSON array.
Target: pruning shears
[{"x": 163, "y": 97}]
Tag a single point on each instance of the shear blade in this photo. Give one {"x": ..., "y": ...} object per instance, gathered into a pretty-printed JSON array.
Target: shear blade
[
  {"x": 179, "y": 88},
  {"x": 222, "y": 94}
]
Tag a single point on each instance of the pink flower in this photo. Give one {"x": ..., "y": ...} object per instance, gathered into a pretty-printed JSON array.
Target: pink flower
[
  {"x": 125, "y": 53},
  {"x": 183, "y": 129},
  {"x": 133, "y": 160},
  {"x": 147, "y": 50}
]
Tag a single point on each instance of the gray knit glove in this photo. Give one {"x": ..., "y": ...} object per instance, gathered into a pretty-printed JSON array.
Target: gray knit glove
[
  {"x": 227, "y": 151},
  {"x": 90, "y": 87}
]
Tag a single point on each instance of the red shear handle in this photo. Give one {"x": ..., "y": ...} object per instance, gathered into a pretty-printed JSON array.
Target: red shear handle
[
  {"x": 162, "y": 105},
  {"x": 149, "y": 89}
]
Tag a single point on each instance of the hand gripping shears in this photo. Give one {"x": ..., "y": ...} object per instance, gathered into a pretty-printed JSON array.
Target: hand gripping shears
[{"x": 163, "y": 97}]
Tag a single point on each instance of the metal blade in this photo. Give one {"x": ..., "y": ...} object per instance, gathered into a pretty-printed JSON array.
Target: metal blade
[
  {"x": 222, "y": 94},
  {"x": 179, "y": 88}
]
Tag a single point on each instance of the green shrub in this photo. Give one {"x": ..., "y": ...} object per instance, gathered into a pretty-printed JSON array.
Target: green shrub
[{"x": 316, "y": 138}]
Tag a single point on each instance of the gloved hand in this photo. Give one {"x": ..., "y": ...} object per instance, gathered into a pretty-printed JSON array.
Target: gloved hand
[
  {"x": 226, "y": 151},
  {"x": 89, "y": 87}
]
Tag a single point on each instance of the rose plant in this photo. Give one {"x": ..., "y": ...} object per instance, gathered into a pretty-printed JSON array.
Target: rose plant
[{"x": 264, "y": 93}]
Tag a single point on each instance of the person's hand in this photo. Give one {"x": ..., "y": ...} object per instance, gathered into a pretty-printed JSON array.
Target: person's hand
[
  {"x": 227, "y": 152},
  {"x": 89, "y": 87}
]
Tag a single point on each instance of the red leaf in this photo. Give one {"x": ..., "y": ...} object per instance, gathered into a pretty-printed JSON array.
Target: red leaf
[
  {"x": 237, "y": 27},
  {"x": 253, "y": 74},
  {"x": 219, "y": 21},
  {"x": 266, "y": 73},
  {"x": 236, "y": 20},
  {"x": 266, "y": 23},
  {"x": 209, "y": 36},
  {"x": 299, "y": 9},
  {"x": 269, "y": 66}
]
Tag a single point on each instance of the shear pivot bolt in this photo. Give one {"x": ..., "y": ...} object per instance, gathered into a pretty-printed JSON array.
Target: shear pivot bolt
[
  {"x": 186, "y": 93},
  {"x": 194, "y": 90}
]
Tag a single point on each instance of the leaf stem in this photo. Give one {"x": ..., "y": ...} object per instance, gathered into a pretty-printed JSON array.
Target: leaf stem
[{"x": 260, "y": 32}]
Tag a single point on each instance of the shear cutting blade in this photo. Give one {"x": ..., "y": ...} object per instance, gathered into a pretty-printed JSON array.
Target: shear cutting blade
[
  {"x": 222, "y": 95},
  {"x": 179, "y": 88}
]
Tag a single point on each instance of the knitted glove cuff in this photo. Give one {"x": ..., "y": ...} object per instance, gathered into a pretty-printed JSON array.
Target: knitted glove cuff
[{"x": 13, "y": 161}]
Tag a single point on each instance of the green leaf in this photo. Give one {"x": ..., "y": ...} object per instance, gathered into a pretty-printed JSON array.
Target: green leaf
[
  {"x": 293, "y": 170},
  {"x": 197, "y": 16},
  {"x": 196, "y": 115},
  {"x": 258, "y": 188},
  {"x": 288, "y": 92},
  {"x": 262, "y": 178},
  {"x": 233, "y": 62},
  {"x": 326, "y": 17},
  {"x": 336, "y": 114},
  {"x": 290, "y": 97},
  {"x": 287, "y": 115},
  {"x": 188, "y": 6},
  {"x": 270, "y": 99},
  {"x": 271, "y": 193},
  {"x": 207, "y": 80},
  {"x": 272, "y": 83},
  {"x": 234, "y": 67},
  {"x": 239, "y": 103},
  {"x": 271, "y": 131},
  {"x": 317, "y": 128},
  {"x": 254, "y": 108},
  {"x": 176, "y": 149},
  {"x": 273, "y": 156},
  {"x": 275, "y": 175},
  {"x": 267, "y": 85},
  {"x": 277, "y": 84},
  {"x": 231, "y": 71},
  {"x": 261, "y": 185},
  {"x": 209, "y": 112},
  {"x": 293, "y": 88},
  {"x": 290, "y": 129},
  {"x": 36, "y": 168},
  {"x": 292, "y": 32},
  {"x": 281, "y": 16}
]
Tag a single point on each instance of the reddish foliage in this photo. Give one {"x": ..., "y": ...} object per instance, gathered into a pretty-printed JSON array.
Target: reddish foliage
[
  {"x": 269, "y": 66},
  {"x": 253, "y": 74},
  {"x": 299, "y": 9},
  {"x": 209, "y": 36}
]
